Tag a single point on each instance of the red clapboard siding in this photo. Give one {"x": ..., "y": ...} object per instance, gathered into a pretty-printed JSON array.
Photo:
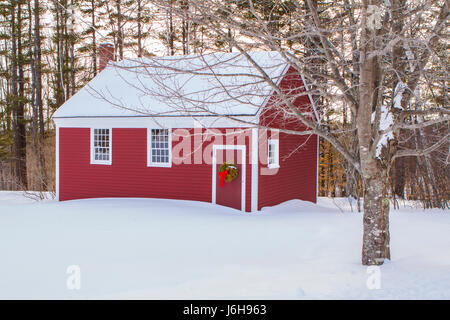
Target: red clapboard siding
[
  {"x": 128, "y": 175},
  {"x": 297, "y": 176}
]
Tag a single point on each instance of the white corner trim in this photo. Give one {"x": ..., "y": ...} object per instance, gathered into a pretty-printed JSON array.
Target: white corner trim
[
  {"x": 255, "y": 163},
  {"x": 57, "y": 163},
  {"x": 101, "y": 162},
  {"x": 149, "y": 149},
  {"x": 214, "y": 171}
]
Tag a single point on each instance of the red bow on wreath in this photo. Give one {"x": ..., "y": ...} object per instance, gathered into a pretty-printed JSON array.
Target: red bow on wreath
[{"x": 222, "y": 175}]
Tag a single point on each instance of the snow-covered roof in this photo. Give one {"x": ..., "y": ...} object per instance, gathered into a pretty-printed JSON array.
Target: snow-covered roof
[{"x": 219, "y": 83}]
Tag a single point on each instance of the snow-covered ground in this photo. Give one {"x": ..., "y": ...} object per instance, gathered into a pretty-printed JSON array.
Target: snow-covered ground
[{"x": 164, "y": 249}]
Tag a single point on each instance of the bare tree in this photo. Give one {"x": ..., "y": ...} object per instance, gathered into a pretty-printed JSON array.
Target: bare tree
[{"x": 378, "y": 59}]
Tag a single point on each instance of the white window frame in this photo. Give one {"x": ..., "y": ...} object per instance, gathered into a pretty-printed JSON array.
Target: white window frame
[
  {"x": 150, "y": 163},
  {"x": 104, "y": 162},
  {"x": 276, "y": 154}
]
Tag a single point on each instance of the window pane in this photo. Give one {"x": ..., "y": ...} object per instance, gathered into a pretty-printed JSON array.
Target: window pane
[
  {"x": 101, "y": 144},
  {"x": 271, "y": 153},
  {"x": 160, "y": 145}
]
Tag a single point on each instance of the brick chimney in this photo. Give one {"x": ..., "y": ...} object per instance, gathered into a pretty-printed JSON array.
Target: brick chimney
[{"x": 106, "y": 54}]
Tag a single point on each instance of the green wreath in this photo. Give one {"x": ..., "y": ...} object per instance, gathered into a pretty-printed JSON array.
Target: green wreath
[{"x": 232, "y": 169}]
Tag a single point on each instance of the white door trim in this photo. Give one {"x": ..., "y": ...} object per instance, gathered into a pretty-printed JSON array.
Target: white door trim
[{"x": 214, "y": 171}]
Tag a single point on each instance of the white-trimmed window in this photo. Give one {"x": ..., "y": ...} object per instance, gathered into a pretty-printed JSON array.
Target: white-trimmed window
[
  {"x": 159, "y": 147},
  {"x": 273, "y": 153},
  {"x": 101, "y": 145}
]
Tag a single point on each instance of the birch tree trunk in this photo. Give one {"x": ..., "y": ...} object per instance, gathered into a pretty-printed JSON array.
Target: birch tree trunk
[
  {"x": 375, "y": 246},
  {"x": 376, "y": 219}
]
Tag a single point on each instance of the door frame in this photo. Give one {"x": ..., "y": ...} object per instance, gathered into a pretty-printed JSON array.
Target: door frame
[{"x": 242, "y": 148}]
